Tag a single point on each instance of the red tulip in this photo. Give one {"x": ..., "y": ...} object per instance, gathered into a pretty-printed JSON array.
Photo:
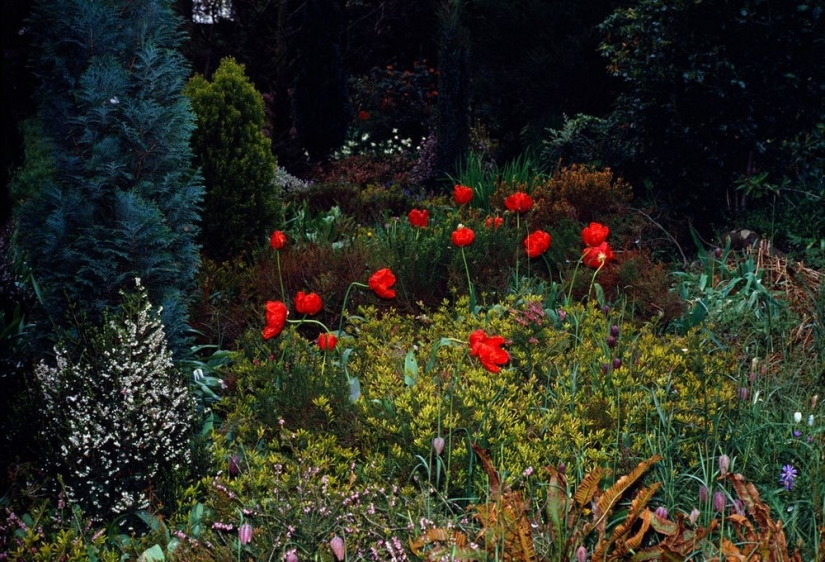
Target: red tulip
[
  {"x": 419, "y": 219},
  {"x": 488, "y": 350},
  {"x": 277, "y": 240},
  {"x": 327, "y": 342},
  {"x": 381, "y": 281},
  {"x": 518, "y": 202},
  {"x": 493, "y": 222},
  {"x": 308, "y": 303},
  {"x": 537, "y": 243},
  {"x": 595, "y": 234},
  {"x": 276, "y": 313},
  {"x": 463, "y": 236},
  {"x": 596, "y": 256},
  {"x": 462, "y": 194}
]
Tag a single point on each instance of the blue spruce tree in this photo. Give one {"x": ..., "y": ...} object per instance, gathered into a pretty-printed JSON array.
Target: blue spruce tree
[{"x": 122, "y": 201}]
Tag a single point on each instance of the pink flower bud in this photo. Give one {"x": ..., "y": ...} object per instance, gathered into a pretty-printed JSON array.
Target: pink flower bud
[
  {"x": 291, "y": 556},
  {"x": 338, "y": 548},
  {"x": 719, "y": 501},
  {"x": 234, "y": 465},
  {"x": 703, "y": 494},
  {"x": 744, "y": 393},
  {"x": 661, "y": 512},
  {"x": 245, "y": 533},
  {"x": 581, "y": 554},
  {"x": 694, "y": 516},
  {"x": 438, "y": 445},
  {"x": 724, "y": 464}
]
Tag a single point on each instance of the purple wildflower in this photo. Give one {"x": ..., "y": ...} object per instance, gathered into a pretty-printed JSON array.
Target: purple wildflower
[{"x": 787, "y": 476}]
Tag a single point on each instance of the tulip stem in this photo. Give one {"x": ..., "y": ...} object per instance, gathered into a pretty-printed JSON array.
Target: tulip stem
[
  {"x": 280, "y": 277},
  {"x": 344, "y": 306},
  {"x": 572, "y": 282},
  {"x": 469, "y": 282}
]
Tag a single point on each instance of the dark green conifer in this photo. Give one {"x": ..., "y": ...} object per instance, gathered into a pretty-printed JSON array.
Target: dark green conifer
[
  {"x": 123, "y": 199},
  {"x": 236, "y": 159}
]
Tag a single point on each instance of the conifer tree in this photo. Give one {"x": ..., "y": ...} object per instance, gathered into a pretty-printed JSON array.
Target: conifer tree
[
  {"x": 123, "y": 198},
  {"x": 236, "y": 159}
]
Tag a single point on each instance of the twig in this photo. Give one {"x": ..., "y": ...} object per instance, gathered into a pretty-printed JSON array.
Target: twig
[{"x": 671, "y": 238}]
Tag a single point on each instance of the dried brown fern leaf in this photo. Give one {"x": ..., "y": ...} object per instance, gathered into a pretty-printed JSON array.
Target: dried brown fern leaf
[
  {"x": 620, "y": 535},
  {"x": 487, "y": 464},
  {"x": 609, "y": 498},
  {"x": 444, "y": 542},
  {"x": 589, "y": 487}
]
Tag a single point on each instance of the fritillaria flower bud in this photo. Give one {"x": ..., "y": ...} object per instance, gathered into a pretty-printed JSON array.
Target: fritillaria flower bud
[
  {"x": 694, "y": 516},
  {"x": 338, "y": 548},
  {"x": 744, "y": 393},
  {"x": 234, "y": 465},
  {"x": 438, "y": 445},
  {"x": 724, "y": 464},
  {"x": 811, "y": 420},
  {"x": 661, "y": 512},
  {"x": 797, "y": 417},
  {"x": 245, "y": 533},
  {"x": 611, "y": 342},
  {"x": 605, "y": 368},
  {"x": 291, "y": 557},
  {"x": 703, "y": 494},
  {"x": 581, "y": 554},
  {"x": 562, "y": 468},
  {"x": 614, "y": 331},
  {"x": 617, "y": 363},
  {"x": 719, "y": 501}
]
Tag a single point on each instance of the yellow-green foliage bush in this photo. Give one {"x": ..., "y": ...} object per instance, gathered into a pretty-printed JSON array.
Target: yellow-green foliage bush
[{"x": 559, "y": 399}]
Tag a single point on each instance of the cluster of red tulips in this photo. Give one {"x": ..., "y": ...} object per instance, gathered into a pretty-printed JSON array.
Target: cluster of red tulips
[{"x": 488, "y": 349}]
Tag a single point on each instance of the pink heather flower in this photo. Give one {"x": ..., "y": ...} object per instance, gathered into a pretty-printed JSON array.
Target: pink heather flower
[
  {"x": 724, "y": 464},
  {"x": 438, "y": 445},
  {"x": 338, "y": 548},
  {"x": 581, "y": 554},
  {"x": 245, "y": 533}
]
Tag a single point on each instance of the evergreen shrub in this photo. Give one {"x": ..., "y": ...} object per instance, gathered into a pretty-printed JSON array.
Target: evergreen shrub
[
  {"x": 236, "y": 160},
  {"x": 116, "y": 197}
]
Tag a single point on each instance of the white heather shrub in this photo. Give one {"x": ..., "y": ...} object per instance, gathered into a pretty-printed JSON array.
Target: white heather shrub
[{"x": 118, "y": 418}]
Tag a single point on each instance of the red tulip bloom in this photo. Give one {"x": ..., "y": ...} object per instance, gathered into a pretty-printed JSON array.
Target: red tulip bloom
[
  {"x": 462, "y": 194},
  {"x": 595, "y": 234},
  {"x": 596, "y": 256},
  {"x": 463, "y": 236},
  {"x": 419, "y": 219},
  {"x": 327, "y": 342},
  {"x": 381, "y": 281},
  {"x": 277, "y": 240},
  {"x": 518, "y": 202},
  {"x": 308, "y": 303},
  {"x": 488, "y": 350},
  {"x": 537, "y": 243},
  {"x": 276, "y": 313},
  {"x": 493, "y": 222}
]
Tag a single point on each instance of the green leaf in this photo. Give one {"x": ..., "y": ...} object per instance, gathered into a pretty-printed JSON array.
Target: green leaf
[
  {"x": 410, "y": 369},
  {"x": 154, "y": 554}
]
